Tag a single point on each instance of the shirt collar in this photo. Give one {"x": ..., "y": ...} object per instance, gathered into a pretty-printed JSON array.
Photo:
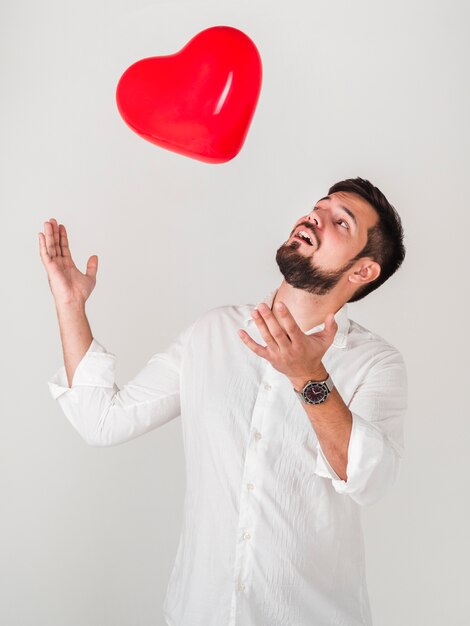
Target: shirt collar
[{"x": 341, "y": 318}]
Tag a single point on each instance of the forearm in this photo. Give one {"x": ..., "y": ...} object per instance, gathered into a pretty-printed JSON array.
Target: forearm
[
  {"x": 332, "y": 422},
  {"x": 75, "y": 333}
]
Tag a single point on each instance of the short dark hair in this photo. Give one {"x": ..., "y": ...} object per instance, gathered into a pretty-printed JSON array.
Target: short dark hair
[{"x": 384, "y": 240}]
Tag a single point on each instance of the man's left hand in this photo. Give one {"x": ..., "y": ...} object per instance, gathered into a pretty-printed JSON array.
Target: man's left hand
[{"x": 288, "y": 348}]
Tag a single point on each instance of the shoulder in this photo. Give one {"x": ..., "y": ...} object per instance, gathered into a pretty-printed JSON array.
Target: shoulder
[
  {"x": 220, "y": 321},
  {"x": 225, "y": 313},
  {"x": 366, "y": 345}
]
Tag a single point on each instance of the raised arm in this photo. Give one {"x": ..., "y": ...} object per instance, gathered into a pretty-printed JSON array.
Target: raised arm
[
  {"x": 85, "y": 387},
  {"x": 70, "y": 289}
]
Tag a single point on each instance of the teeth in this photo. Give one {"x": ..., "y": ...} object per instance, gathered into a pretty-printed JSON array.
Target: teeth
[{"x": 305, "y": 235}]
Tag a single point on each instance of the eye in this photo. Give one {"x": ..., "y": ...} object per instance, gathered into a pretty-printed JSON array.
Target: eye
[{"x": 344, "y": 222}]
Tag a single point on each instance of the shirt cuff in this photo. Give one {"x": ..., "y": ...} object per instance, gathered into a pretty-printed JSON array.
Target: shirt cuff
[
  {"x": 323, "y": 467},
  {"x": 369, "y": 448},
  {"x": 97, "y": 369}
]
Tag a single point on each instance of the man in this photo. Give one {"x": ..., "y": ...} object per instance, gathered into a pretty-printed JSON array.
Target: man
[{"x": 292, "y": 420}]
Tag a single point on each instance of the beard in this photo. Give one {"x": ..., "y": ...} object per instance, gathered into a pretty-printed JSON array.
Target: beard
[{"x": 299, "y": 271}]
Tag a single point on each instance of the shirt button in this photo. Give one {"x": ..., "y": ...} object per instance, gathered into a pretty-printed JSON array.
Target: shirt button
[
  {"x": 246, "y": 536},
  {"x": 268, "y": 387},
  {"x": 250, "y": 486},
  {"x": 241, "y": 587},
  {"x": 257, "y": 435}
]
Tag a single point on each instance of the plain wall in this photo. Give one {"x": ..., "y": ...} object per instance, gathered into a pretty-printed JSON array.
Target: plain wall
[{"x": 373, "y": 89}]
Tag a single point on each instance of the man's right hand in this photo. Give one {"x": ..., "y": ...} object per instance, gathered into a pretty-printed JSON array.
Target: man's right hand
[{"x": 67, "y": 283}]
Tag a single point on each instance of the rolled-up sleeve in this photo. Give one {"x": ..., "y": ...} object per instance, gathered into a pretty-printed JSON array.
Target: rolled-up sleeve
[
  {"x": 376, "y": 444},
  {"x": 105, "y": 415}
]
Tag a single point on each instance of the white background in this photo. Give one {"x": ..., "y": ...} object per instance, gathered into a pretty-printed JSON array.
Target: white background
[{"x": 365, "y": 88}]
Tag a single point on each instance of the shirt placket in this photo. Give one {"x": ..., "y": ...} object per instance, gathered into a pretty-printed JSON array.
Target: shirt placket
[{"x": 252, "y": 484}]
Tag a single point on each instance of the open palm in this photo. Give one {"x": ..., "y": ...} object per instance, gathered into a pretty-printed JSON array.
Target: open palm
[{"x": 67, "y": 283}]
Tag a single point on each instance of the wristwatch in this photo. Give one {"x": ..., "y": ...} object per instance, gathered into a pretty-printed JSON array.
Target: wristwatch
[{"x": 315, "y": 391}]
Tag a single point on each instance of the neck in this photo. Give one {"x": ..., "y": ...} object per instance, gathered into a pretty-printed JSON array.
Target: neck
[{"x": 308, "y": 309}]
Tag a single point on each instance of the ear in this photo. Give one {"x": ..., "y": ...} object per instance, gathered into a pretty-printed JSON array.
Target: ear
[{"x": 366, "y": 271}]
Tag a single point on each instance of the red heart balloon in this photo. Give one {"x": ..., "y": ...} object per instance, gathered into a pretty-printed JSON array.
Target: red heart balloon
[{"x": 198, "y": 102}]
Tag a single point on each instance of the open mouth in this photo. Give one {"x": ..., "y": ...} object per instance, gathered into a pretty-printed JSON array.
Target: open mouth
[{"x": 304, "y": 236}]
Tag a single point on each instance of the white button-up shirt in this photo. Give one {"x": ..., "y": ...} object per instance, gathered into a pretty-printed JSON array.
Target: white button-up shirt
[{"x": 271, "y": 536}]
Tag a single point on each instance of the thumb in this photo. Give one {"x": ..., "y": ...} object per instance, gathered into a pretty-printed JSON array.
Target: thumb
[
  {"x": 330, "y": 324},
  {"x": 92, "y": 266}
]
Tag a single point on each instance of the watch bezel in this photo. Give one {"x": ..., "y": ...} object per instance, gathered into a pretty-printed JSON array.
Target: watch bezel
[
  {"x": 320, "y": 388},
  {"x": 325, "y": 385}
]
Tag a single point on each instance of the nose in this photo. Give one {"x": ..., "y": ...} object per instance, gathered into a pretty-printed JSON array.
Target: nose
[{"x": 314, "y": 217}]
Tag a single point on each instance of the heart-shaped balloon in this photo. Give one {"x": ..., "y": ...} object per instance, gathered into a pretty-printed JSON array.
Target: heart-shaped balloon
[{"x": 198, "y": 102}]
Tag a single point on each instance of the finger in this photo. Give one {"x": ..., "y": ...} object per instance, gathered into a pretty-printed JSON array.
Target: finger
[
  {"x": 274, "y": 328},
  {"x": 291, "y": 327},
  {"x": 64, "y": 242},
  {"x": 255, "y": 347},
  {"x": 330, "y": 324},
  {"x": 50, "y": 241},
  {"x": 330, "y": 327},
  {"x": 55, "y": 229},
  {"x": 264, "y": 330},
  {"x": 46, "y": 259}
]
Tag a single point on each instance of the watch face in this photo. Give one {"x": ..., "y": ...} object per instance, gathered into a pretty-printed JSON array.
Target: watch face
[{"x": 316, "y": 393}]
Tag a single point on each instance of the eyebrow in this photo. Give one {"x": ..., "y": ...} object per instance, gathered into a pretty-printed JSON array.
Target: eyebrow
[{"x": 348, "y": 211}]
